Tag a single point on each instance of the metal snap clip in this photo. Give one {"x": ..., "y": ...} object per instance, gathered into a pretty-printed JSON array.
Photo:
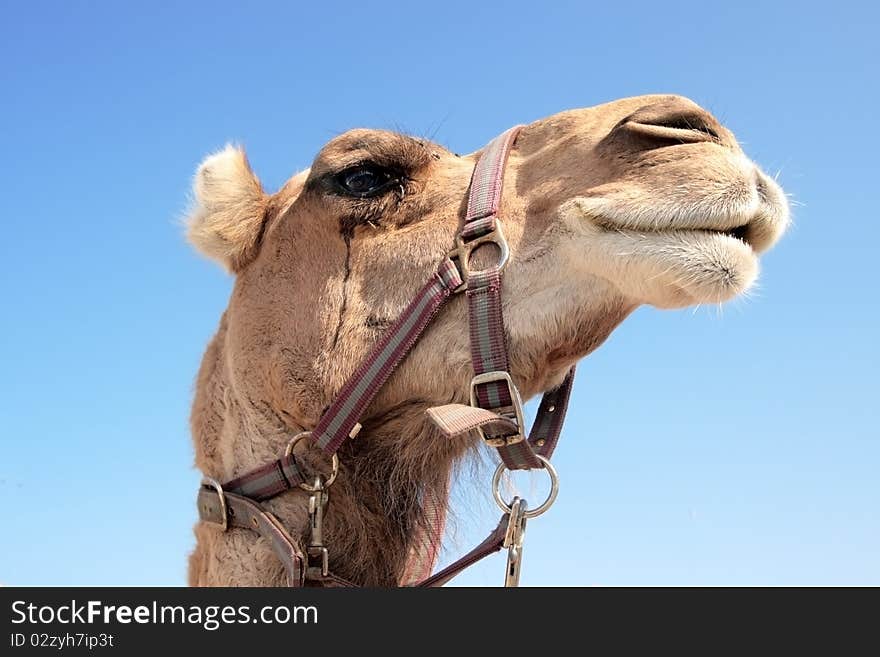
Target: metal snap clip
[{"x": 513, "y": 541}]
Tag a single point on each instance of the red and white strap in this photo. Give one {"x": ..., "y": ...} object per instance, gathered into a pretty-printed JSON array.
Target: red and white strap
[{"x": 495, "y": 406}]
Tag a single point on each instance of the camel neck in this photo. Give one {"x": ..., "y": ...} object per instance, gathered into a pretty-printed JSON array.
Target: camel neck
[{"x": 377, "y": 505}]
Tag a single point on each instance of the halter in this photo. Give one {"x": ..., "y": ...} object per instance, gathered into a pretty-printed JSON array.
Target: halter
[{"x": 495, "y": 411}]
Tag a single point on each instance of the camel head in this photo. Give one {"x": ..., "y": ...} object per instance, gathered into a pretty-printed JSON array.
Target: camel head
[{"x": 646, "y": 200}]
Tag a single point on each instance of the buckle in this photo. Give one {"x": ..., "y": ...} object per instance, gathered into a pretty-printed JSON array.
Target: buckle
[
  {"x": 320, "y": 554},
  {"x": 514, "y": 412},
  {"x": 209, "y": 482},
  {"x": 464, "y": 248}
]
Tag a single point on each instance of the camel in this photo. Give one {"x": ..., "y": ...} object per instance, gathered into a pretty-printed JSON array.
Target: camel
[{"x": 644, "y": 200}]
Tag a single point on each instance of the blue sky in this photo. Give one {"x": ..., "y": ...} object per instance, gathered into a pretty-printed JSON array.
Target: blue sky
[{"x": 737, "y": 446}]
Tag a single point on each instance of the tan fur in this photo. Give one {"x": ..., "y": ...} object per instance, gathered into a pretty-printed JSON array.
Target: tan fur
[
  {"x": 226, "y": 223},
  {"x": 605, "y": 208}
]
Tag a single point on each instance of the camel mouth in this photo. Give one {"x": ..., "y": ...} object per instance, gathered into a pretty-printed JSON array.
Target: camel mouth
[
  {"x": 685, "y": 261},
  {"x": 750, "y": 212},
  {"x": 737, "y": 237},
  {"x": 739, "y": 234}
]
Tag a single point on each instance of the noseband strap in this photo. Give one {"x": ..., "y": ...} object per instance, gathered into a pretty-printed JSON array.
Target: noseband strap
[{"x": 495, "y": 409}]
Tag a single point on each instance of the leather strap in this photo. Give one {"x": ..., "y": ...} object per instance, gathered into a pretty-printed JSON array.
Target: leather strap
[
  {"x": 243, "y": 513},
  {"x": 550, "y": 417},
  {"x": 490, "y": 545}
]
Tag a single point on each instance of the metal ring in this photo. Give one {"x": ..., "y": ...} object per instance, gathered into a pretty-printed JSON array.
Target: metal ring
[
  {"x": 334, "y": 463},
  {"x": 221, "y": 494},
  {"x": 529, "y": 513},
  {"x": 465, "y": 248}
]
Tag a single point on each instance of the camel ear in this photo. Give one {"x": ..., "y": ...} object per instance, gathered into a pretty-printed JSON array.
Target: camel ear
[{"x": 230, "y": 208}]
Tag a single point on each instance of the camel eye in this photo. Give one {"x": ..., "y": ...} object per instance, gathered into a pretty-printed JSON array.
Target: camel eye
[{"x": 365, "y": 180}]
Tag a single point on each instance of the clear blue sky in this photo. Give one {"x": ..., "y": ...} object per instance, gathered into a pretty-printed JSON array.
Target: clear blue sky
[{"x": 734, "y": 447}]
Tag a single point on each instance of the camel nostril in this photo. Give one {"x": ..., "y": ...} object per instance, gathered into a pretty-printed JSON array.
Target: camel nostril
[
  {"x": 686, "y": 122},
  {"x": 670, "y": 129},
  {"x": 670, "y": 123}
]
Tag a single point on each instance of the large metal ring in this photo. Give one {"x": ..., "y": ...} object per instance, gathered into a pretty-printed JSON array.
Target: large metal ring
[
  {"x": 529, "y": 513},
  {"x": 221, "y": 494},
  {"x": 334, "y": 463}
]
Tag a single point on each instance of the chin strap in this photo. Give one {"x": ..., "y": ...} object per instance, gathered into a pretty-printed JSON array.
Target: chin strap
[{"x": 495, "y": 411}]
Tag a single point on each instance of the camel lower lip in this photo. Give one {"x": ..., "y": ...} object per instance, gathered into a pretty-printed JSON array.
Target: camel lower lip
[
  {"x": 740, "y": 233},
  {"x": 737, "y": 234}
]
